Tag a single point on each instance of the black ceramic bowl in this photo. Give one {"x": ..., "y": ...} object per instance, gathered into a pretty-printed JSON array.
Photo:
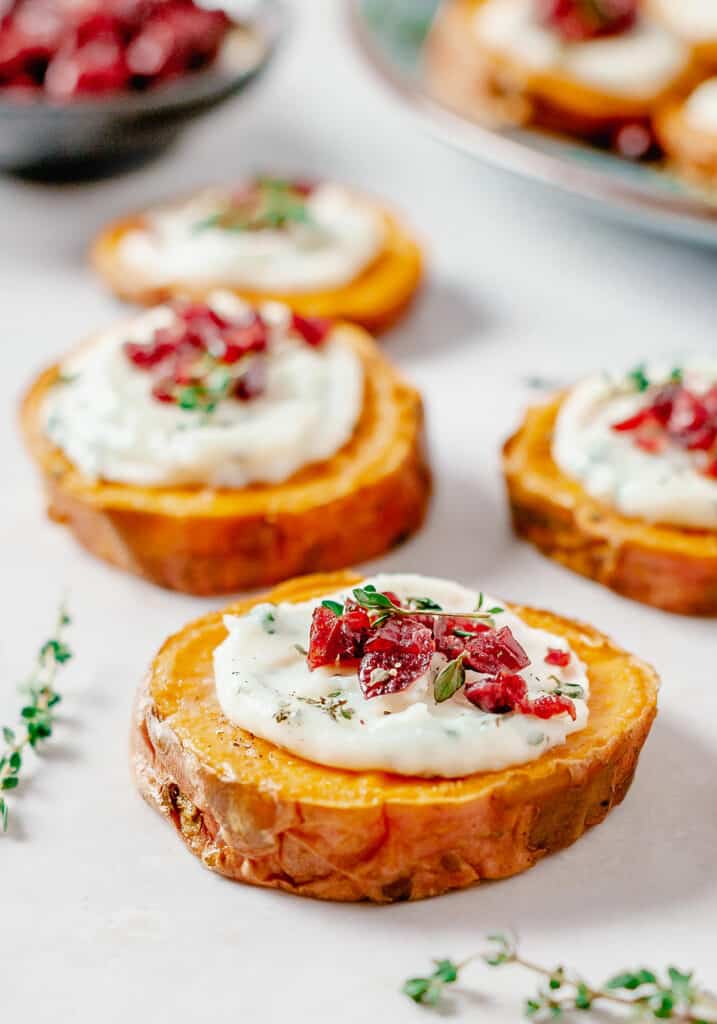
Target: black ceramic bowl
[{"x": 97, "y": 137}]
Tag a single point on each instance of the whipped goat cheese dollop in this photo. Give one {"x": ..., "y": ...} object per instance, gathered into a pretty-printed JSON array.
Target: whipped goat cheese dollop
[
  {"x": 638, "y": 63},
  {"x": 663, "y": 479},
  {"x": 339, "y": 238},
  {"x": 103, "y": 415},
  {"x": 694, "y": 20},
  {"x": 264, "y": 685},
  {"x": 700, "y": 109}
]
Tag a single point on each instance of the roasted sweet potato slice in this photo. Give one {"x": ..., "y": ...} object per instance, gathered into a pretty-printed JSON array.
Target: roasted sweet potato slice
[
  {"x": 671, "y": 567},
  {"x": 258, "y": 814},
  {"x": 354, "y": 506},
  {"x": 375, "y": 299}
]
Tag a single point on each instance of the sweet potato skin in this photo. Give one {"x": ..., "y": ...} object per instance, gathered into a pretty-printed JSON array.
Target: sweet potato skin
[
  {"x": 672, "y": 568},
  {"x": 376, "y": 299},
  {"x": 493, "y": 87},
  {"x": 367, "y": 498},
  {"x": 257, "y": 814}
]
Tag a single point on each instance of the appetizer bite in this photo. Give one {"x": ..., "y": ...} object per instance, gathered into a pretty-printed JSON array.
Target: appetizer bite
[
  {"x": 64, "y": 50},
  {"x": 217, "y": 446},
  {"x": 687, "y": 131},
  {"x": 319, "y": 247},
  {"x": 594, "y": 68},
  {"x": 617, "y": 480},
  {"x": 386, "y": 740}
]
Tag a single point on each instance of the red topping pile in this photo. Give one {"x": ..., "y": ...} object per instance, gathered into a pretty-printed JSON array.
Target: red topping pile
[
  {"x": 393, "y": 648},
  {"x": 66, "y": 49},
  {"x": 677, "y": 415},
  {"x": 204, "y": 356},
  {"x": 579, "y": 20}
]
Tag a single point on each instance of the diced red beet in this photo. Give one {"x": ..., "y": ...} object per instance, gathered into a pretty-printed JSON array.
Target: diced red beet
[
  {"x": 498, "y": 696},
  {"x": 557, "y": 657},
  {"x": 397, "y": 654}
]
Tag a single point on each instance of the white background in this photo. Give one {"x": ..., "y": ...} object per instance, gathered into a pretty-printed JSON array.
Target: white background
[{"x": 103, "y": 915}]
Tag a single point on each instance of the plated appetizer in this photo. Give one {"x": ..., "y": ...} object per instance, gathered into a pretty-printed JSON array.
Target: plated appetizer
[
  {"x": 386, "y": 739},
  {"x": 62, "y": 50},
  {"x": 317, "y": 246},
  {"x": 219, "y": 446},
  {"x": 687, "y": 131},
  {"x": 593, "y": 68},
  {"x": 617, "y": 480}
]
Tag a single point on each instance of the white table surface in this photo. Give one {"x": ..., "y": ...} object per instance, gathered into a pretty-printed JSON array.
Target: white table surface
[{"x": 103, "y": 914}]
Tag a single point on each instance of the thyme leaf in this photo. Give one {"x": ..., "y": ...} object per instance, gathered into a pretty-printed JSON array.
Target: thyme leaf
[{"x": 449, "y": 680}]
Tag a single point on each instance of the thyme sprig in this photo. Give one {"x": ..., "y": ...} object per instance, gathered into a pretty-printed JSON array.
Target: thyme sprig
[
  {"x": 371, "y": 600},
  {"x": 38, "y": 713},
  {"x": 669, "y": 995}
]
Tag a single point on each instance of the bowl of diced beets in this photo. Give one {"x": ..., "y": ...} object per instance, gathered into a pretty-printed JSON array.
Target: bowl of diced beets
[{"x": 89, "y": 87}]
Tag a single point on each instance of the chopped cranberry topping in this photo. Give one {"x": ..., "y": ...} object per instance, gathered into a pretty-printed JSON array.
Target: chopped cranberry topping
[
  {"x": 579, "y": 20},
  {"x": 396, "y": 655},
  {"x": 393, "y": 650},
  {"x": 548, "y": 705},
  {"x": 557, "y": 657},
  {"x": 677, "y": 415},
  {"x": 104, "y": 46},
  {"x": 498, "y": 696},
  {"x": 313, "y": 329},
  {"x": 187, "y": 354},
  {"x": 493, "y": 652}
]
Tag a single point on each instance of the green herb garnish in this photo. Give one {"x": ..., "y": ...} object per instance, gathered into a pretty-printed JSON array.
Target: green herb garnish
[
  {"x": 449, "y": 680},
  {"x": 638, "y": 378},
  {"x": 649, "y": 995},
  {"x": 38, "y": 713}
]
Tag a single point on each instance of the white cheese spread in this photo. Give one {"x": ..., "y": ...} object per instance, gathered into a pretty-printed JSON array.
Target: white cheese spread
[
  {"x": 265, "y": 686},
  {"x": 102, "y": 414},
  {"x": 341, "y": 237}
]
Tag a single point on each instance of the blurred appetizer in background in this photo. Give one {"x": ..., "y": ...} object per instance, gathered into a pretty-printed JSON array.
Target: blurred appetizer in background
[
  {"x": 316, "y": 246},
  {"x": 218, "y": 446},
  {"x": 617, "y": 480},
  {"x": 694, "y": 21},
  {"x": 386, "y": 739},
  {"x": 596, "y": 69},
  {"x": 687, "y": 131},
  {"x": 62, "y": 50}
]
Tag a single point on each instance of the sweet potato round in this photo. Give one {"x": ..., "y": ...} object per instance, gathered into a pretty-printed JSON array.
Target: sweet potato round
[
  {"x": 355, "y": 506},
  {"x": 670, "y": 567},
  {"x": 258, "y": 814},
  {"x": 375, "y": 299}
]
